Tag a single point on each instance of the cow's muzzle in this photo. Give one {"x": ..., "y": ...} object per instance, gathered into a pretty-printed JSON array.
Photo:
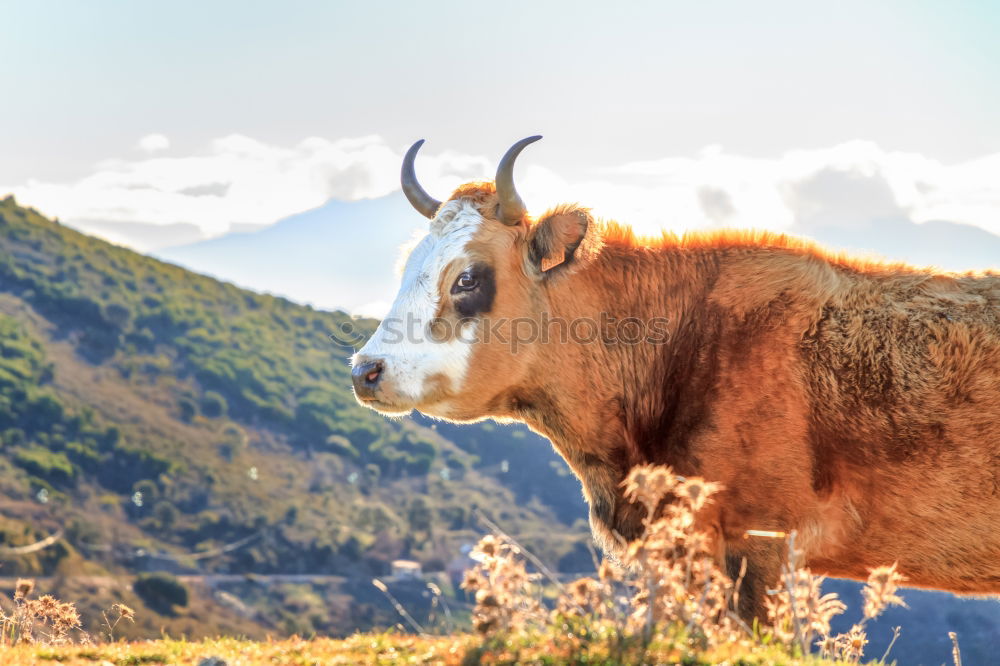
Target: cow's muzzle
[{"x": 367, "y": 375}]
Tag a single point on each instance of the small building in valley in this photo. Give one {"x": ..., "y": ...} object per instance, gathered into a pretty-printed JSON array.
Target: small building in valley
[{"x": 406, "y": 570}]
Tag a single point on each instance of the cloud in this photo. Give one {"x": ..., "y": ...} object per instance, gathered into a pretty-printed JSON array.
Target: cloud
[
  {"x": 848, "y": 184},
  {"x": 238, "y": 182},
  {"x": 153, "y": 142}
]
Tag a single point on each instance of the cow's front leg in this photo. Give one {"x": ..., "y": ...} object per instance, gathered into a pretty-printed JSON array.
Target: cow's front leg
[{"x": 764, "y": 559}]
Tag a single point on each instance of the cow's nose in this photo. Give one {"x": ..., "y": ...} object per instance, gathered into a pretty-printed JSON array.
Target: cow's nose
[{"x": 366, "y": 377}]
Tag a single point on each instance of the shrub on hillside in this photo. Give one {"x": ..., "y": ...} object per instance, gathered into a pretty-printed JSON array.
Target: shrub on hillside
[
  {"x": 188, "y": 409},
  {"x": 213, "y": 405},
  {"x": 161, "y": 592},
  {"x": 45, "y": 464}
]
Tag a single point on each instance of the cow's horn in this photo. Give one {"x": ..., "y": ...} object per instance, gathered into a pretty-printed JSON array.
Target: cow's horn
[
  {"x": 512, "y": 209},
  {"x": 425, "y": 204}
]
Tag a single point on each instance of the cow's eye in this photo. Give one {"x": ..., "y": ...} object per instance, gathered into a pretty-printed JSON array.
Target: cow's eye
[
  {"x": 466, "y": 282},
  {"x": 474, "y": 290}
]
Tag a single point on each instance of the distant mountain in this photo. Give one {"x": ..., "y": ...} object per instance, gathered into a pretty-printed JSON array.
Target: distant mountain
[
  {"x": 947, "y": 245},
  {"x": 159, "y": 420},
  {"x": 341, "y": 254},
  {"x": 337, "y": 256}
]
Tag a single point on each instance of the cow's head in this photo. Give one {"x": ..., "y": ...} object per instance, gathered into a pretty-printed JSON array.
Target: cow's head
[{"x": 445, "y": 348}]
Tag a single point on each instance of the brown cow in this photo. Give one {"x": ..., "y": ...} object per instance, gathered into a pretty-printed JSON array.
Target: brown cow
[{"x": 856, "y": 402}]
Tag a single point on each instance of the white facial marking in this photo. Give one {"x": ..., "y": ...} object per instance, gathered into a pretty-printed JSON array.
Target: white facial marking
[{"x": 402, "y": 340}]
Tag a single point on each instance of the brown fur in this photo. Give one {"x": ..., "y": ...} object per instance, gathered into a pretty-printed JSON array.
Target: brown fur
[{"x": 854, "y": 401}]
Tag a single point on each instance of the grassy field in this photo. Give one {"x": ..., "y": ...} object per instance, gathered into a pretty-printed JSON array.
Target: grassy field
[{"x": 379, "y": 649}]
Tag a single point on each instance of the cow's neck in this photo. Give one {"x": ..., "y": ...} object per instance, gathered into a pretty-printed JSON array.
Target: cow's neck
[{"x": 607, "y": 407}]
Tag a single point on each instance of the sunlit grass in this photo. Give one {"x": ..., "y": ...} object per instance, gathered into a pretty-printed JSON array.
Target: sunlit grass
[{"x": 387, "y": 648}]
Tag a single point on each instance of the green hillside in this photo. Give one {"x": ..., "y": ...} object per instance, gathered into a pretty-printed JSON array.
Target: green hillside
[{"x": 168, "y": 421}]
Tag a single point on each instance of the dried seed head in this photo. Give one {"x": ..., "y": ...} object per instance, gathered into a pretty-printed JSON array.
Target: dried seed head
[
  {"x": 880, "y": 592},
  {"x": 851, "y": 645},
  {"x": 47, "y": 604},
  {"x": 696, "y": 492},
  {"x": 487, "y": 599},
  {"x": 607, "y": 572},
  {"x": 487, "y": 547},
  {"x": 649, "y": 484},
  {"x": 124, "y": 612},
  {"x": 65, "y": 618},
  {"x": 24, "y": 587},
  {"x": 473, "y": 580},
  {"x": 583, "y": 591},
  {"x": 485, "y": 625},
  {"x": 827, "y": 646}
]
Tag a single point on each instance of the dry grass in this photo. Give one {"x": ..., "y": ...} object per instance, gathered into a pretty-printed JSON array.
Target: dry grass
[
  {"x": 666, "y": 601},
  {"x": 666, "y": 594},
  {"x": 43, "y": 620},
  {"x": 667, "y": 598},
  {"x": 800, "y": 614},
  {"x": 455, "y": 650}
]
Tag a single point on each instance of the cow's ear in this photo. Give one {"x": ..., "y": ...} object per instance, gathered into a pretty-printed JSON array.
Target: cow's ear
[{"x": 553, "y": 241}]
